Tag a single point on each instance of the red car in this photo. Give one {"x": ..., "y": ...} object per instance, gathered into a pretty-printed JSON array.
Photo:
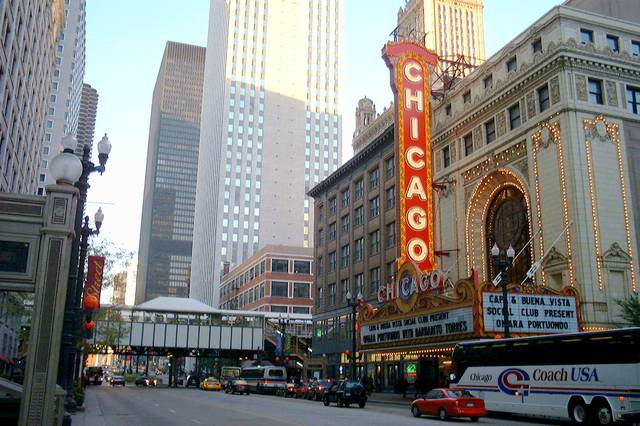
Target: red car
[
  {"x": 302, "y": 390},
  {"x": 446, "y": 403}
]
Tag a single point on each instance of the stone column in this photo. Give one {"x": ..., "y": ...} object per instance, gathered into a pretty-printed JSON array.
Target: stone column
[{"x": 56, "y": 236}]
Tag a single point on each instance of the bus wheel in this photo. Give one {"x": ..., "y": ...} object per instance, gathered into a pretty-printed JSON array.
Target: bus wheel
[
  {"x": 602, "y": 413},
  {"x": 578, "y": 411}
]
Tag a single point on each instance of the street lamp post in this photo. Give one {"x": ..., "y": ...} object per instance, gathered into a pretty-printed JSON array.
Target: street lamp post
[
  {"x": 282, "y": 323},
  {"x": 68, "y": 350},
  {"x": 502, "y": 262},
  {"x": 353, "y": 303},
  {"x": 85, "y": 233}
]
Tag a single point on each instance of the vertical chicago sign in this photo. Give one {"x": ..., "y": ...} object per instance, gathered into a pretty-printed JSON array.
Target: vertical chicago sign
[{"x": 410, "y": 65}]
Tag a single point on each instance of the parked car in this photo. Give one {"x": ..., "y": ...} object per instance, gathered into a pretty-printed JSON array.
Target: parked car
[
  {"x": 117, "y": 381},
  {"x": 237, "y": 385},
  {"x": 302, "y": 390},
  {"x": 211, "y": 383},
  {"x": 446, "y": 403},
  {"x": 318, "y": 388},
  {"x": 346, "y": 392},
  {"x": 94, "y": 375},
  {"x": 289, "y": 390},
  {"x": 146, "y": 381},
  {"x": 194, "y": 380}
]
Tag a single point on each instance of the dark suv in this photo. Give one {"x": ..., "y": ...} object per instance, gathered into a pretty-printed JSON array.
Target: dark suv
[{"x": 345, "y": 393}]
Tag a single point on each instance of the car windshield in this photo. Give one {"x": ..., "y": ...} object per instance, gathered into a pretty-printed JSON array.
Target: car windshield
[
  {"x": 351, "y": 384},
  {"x": 240, "y": 382},
  {"x": 455, "y": 393}
]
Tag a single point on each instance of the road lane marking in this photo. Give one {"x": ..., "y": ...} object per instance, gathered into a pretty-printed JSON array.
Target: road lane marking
[
  {"x": 196, "y": 421},
  {"x": 172, "y": 410}
]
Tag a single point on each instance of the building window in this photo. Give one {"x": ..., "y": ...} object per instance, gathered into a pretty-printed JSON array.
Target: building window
[
  {"x": 332, "y": 261},
  {"x": 466, "y": 97},
  {"x": 344, "y": 289},
  {"x": 391, "y": 234},
  {"x": 447, "y": 110},
  {"x": 374, "y": 207},
  {"x": 586, "y": 36},
  {"x": 319, "y": 297},
  {"x": 344, "y": 224},
  {"x": 490, "y": 130},
  {"x": 359, "y": 216},
  {"x": 391, "y": 197},
  {"x": 512, "y": 64},
  {"x": 595, "y": 91},
  {"x": 279, "y": 265},
  {"x": 345, "y": 198},
  {"x": 543, "y": 98},
  {"x": 301, "y": 290},
  {"x": 390, "y": 167},
  {"x": 359, "y": 284},
  {"x": 279, "y": 309},
  {"x": 514, "y": 116},
  {"x": 613, "y": 42},
  {"x": 320, "y": 214},
  {"x": 332, "y": 231},
  {"x": 301, "y": 267},
  {"x": 319, "y": 266},
  {"x": 633, "y": 98},
  {"x": 300, "y": 310},
  {"x": 279, "y": 289},
  {"x": 333, "y": 205},
  {"x": 488, "y": 81},
  {"x": 374, "y": 242},
  {"x": 332, "y": 294},
  {"x": 320, "y": 237},
  {"x": 374, "y": 275},
  {"x": 345, "y": 254},
  {"x": 359, "y": 250},
  {"x": 537, "y": 45},
  {"x": 359, "y": 189},
  {"x": 374, "y": 178},
  {"x": 446, "y": 156},
  {"x": 635, "y": 48},
  {"x": 468, "y": 144}
]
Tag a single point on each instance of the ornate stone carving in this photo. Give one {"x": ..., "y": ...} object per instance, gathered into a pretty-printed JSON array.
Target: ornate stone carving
[
  {"x": 477, "y": 138},
  {"x": 501, "y": 124},
  {"x": 581, "y": 88},
  {"x": 453, "y": 148},
  {"x": 554, "y": 258},
  {"x": 494, "y": 161},
  {"x": 554, "y": 90},
  {"x": 523, "y": 167},
  {"x": 531, "y": 104},
  {"x": 615, "y": 251},
  {"x": 612, "y": 94},
  {"x": 599, "y": 129}
]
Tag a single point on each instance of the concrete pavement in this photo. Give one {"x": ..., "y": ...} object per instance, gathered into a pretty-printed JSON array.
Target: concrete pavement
[{"x": 107, "y": 406}]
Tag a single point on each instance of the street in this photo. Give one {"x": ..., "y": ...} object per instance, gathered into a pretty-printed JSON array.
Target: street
[{"x": 162, "y": 406}]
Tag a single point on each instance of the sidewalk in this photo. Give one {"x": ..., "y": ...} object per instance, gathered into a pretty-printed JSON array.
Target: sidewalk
[
  {"x": 390, "y": 399},
  {"x": 92, "y": 414}
]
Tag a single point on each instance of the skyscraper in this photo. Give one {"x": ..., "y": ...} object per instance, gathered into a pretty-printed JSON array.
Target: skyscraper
[
  {"x": 28, "y": 45},
  {"x": 271, "y": 129},
  {"x": 449, "y": 27},
  {"x": 164, "y": 255},
  {"x": 66, "y": 86},
  {"x": 87, "y": 117}
]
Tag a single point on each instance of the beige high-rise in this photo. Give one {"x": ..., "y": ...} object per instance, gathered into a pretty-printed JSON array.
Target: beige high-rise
[
  {"x": 271, "y": 129},
  {"x": 450, "y": 27}
]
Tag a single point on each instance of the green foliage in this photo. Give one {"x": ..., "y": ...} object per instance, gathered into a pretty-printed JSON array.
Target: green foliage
[
  {"x": 78, "y": 393},
  {"x": 630, "y": 310},
  {"x": 116, "y": 258},
  {"x": 130, "y": 378},
  {"x": 109, "y": 330}
]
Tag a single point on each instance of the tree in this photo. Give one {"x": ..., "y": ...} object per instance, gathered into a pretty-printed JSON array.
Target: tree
[
  {"x": 630, "y": 309},
  {"x": 116, "y": 258}
]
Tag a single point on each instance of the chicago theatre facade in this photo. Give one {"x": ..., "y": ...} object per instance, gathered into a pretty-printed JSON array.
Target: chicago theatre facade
[{"x": 538, "y": 149}]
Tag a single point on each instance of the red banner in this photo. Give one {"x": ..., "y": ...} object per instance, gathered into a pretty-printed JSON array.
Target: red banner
[
  {"x": 410, "y": 65},
  {"x": 93, "y": 286}
]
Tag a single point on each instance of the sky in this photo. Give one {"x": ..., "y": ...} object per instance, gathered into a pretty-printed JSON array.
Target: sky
[{"x": 125, "y": 43}]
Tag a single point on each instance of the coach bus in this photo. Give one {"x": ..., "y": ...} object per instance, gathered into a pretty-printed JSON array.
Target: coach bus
[
  {"x": 589, "y": 378},
  {"x": 264, "y": 379}
]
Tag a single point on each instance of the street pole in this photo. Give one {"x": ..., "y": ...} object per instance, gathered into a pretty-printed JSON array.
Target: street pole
[
  {"x": 505, "y": 305},
  {"x": 502, "y": 262},
  {"x": 353, "y": 341}
]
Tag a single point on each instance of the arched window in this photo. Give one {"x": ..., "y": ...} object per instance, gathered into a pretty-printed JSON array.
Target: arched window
[{"x": 508, "y": 224}]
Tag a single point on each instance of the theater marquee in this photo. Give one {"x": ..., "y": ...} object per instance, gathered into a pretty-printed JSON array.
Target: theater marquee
[{"x": 410, "y": 66}]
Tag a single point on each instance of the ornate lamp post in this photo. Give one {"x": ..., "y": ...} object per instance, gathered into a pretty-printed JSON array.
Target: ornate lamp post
[
  {"x": 85, "y": 233},
  {"x": 502, "y": 261},
  {"x": 74, "y": 287},
  {"x": 353, "y": 303}
]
